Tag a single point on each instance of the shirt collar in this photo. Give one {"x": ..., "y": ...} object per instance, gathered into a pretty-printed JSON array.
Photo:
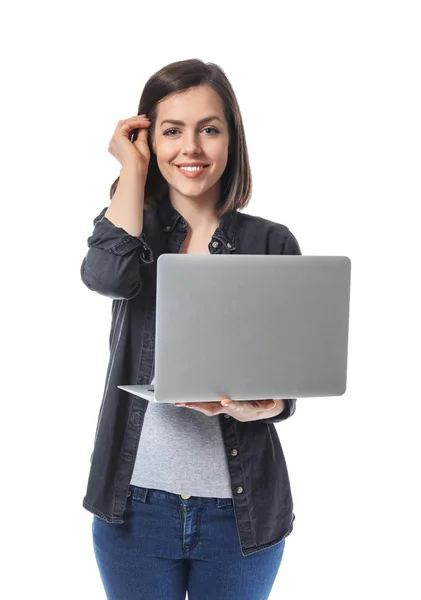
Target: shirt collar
[{"x": 226, "y": 231}]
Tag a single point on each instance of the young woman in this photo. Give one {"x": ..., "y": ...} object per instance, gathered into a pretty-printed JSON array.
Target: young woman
[{"x": 190, "y": 497}]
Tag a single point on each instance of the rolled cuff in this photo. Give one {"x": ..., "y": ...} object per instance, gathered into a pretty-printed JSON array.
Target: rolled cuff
[{"x": 107, "y": 236}]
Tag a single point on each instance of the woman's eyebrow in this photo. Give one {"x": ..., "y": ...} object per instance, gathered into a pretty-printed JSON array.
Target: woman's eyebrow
[{"x": 176, "y": 122}]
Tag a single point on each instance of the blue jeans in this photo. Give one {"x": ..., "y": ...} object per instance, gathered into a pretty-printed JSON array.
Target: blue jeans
[{"x": 168, "y": 546}]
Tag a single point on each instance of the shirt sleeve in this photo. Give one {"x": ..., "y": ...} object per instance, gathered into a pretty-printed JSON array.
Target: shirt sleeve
[
  {"x": 111, "y": 266},
  {"x": 289, "y": 245}
]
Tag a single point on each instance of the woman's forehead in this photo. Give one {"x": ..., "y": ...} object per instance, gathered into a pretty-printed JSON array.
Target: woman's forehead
[{"x": 192, "y": 104}]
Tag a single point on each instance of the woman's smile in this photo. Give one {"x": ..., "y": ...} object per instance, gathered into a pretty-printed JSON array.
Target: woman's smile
[{"x": 191, "y": 172}]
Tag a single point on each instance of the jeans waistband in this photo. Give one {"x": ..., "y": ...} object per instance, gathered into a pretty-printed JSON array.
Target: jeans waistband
[{"x": 142, "y": 494}]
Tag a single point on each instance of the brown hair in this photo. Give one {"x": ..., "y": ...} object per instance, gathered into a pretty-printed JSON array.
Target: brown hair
[{"x": 236, "y": 181}]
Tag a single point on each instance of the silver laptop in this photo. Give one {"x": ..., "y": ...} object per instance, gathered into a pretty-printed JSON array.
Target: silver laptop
[{"x": 249, "y": 327}]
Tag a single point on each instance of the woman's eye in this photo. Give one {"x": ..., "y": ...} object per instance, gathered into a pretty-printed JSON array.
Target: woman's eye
[
  {"x": 206, "y": 128},
  {"x": 212, "y": 128}
]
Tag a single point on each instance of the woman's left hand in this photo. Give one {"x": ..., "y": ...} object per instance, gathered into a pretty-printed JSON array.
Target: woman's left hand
[{"x": 250, "y": 410}]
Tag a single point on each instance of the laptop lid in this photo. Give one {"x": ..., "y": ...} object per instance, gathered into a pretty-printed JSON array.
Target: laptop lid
[{"x": 251, "y": 326}]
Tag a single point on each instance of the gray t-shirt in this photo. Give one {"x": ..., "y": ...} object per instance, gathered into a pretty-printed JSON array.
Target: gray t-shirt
[{"x": 181, "y": 451}]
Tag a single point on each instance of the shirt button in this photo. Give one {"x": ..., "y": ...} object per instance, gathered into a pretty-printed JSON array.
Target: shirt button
[
  {"x": 239, "y": 490},
  {"x": 234, "y": 452},
  {"x": 185, "y": 496},
  {"x": 168, "y": 227},
  {"x": 229, "y": 245},
  {"x": 215, "y": 244}
]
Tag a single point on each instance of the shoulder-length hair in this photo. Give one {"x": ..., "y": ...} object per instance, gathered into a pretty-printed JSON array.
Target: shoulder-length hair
[{"x": 236, "y": 181}]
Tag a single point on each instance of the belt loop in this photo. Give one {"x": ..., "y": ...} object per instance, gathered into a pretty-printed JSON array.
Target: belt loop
[
  {"x": 223, "y": 502},
  {"x": 139, "y": 493}
]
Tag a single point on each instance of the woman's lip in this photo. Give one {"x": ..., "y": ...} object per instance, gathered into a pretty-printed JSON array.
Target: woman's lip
[{"x": 191, "y": 174}]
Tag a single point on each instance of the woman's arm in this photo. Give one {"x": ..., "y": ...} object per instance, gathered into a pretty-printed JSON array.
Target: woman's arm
[{"x": 117, "y": 246}]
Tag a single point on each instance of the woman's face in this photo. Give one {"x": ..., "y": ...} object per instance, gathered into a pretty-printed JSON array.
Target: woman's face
[{"x": 185, "y": 137}]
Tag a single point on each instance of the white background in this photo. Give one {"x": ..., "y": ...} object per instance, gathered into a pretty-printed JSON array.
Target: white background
[{"x": 330, "y": 97}]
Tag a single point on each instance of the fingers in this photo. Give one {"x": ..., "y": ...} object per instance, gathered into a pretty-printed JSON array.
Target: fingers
[
  {"x": 127, "y": 125},
  {"x": 134, "y": 120},
  {"x": 267, "y": 404},
  {"x": 258, "y": 404},
  {"x": 227, "y": 402}
]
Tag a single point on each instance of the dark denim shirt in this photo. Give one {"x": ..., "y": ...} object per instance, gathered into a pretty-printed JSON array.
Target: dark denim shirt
[{"x": 123, "y": 268}]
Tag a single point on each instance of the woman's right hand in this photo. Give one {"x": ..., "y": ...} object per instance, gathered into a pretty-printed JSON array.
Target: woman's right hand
[{"x": 126, "y": 151}]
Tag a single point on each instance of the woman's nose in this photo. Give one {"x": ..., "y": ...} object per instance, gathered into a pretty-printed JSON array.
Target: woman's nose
[{"x": 191, "y": 144}]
